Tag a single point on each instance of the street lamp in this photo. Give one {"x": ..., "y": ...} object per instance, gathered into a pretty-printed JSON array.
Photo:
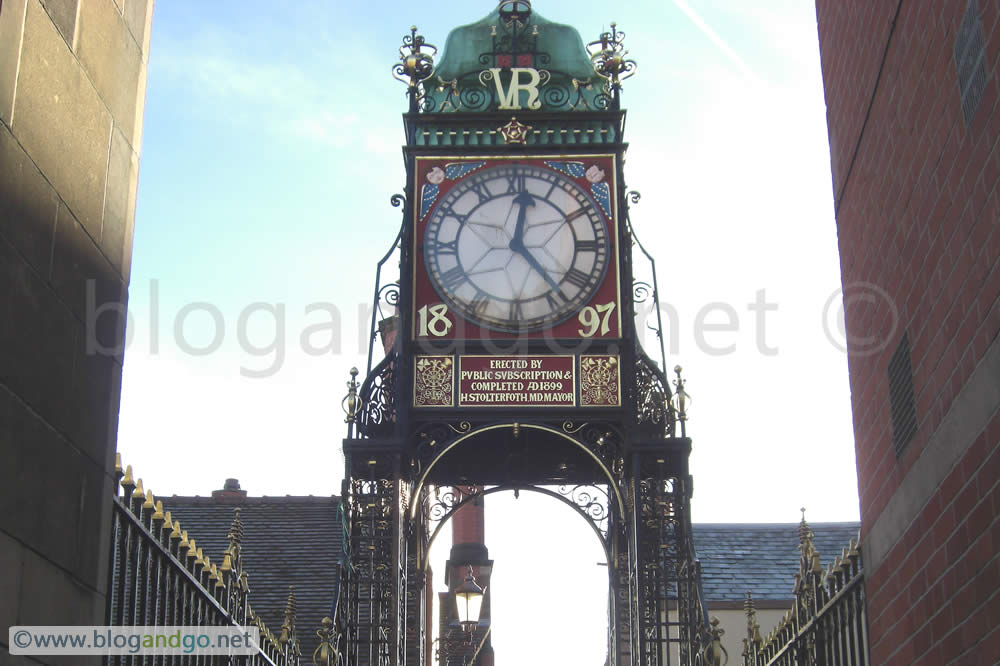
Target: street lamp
[{"x": 469, "y": 598}]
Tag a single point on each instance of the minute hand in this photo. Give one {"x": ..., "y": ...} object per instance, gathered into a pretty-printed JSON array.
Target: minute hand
[
  {"x": 524, "y": 199},
  {"x": 523, "y": 251}
]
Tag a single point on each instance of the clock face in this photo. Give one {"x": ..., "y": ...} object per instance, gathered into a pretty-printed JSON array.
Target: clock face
[{"x": 516, "y": 247}]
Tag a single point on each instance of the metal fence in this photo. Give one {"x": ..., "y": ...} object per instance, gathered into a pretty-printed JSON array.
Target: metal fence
[
  {"x": 160, "y": 577},
  {"x": 828, "y": 625}
]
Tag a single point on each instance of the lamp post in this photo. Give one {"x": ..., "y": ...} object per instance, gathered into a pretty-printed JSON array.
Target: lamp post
[{"x": 469, "y": 599}]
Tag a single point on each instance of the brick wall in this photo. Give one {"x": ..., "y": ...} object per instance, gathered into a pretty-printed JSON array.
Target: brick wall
[
  {"x": 72, "y": 87},
  {"x": 918, "y": 218}
]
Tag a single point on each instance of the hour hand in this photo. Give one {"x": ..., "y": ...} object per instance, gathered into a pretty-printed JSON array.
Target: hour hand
[{"x": 524, "y": 199}]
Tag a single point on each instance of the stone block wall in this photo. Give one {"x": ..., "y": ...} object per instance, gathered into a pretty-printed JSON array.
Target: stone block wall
[
  {"x": 916, "y": 164},
  {"x": 72, "y": 91}
]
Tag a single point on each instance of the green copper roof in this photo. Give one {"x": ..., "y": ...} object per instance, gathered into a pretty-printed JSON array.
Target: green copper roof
[{"x": 552, "y": 48}]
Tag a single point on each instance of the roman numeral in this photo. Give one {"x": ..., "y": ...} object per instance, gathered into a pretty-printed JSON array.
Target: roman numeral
[
  {"x": 453, "y": 278},
  {"x": 580, "y": 212},
  {"x": 443, "y": 247},
  {"x": 587, "y": 246},
  {"x": 480, "y": 190},
  {"x": 550, "y": 299},
  {"x": 480, "y": 302},
  {"x": 516, "y": 311},
  {"x": 577, "y": 278},
  {"x": 447, "y": 211},
  {"x": 516, "y": 182}
]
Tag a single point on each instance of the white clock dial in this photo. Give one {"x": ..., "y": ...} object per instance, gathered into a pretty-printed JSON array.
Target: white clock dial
[{"x": 516, "y": 247}]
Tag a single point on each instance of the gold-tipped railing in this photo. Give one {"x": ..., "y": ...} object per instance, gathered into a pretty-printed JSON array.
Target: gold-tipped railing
[
  {"x": 161, "y": 577},
  {"x": 828, "y": 625}
]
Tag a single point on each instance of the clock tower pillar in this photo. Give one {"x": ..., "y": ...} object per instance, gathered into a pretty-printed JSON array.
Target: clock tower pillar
[{"x": 515, "y": 365}]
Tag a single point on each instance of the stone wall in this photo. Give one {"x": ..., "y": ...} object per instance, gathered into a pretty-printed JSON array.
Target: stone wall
[
  {"x": 916, "y": 164},
  {"x": 72, "y": 90}
]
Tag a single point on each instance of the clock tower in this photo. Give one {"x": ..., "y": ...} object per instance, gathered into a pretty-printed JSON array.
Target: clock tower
[{"x": 512, "y": 362}]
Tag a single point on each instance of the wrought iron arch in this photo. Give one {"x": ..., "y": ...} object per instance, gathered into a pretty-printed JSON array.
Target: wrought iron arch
[
  {"x": 613, "y": 485},
  {"x": 443, "y": 520}
]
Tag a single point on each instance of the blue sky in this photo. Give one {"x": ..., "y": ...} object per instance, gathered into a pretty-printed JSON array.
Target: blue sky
[{"x": 271, "y": 148}]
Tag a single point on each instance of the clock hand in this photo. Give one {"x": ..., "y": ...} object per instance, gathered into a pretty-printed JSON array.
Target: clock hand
[
  {"x": 523, "y": 199},
  {"x": 534, "y": 263}
]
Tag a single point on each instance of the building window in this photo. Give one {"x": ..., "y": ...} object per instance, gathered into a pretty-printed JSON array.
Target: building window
[
  {"x": 901, "y": 401},
  {"x": 970, "y": 60}
]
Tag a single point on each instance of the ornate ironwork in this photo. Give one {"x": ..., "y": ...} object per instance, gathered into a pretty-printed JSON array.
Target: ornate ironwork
[
  {"x": 669, "y": 575},
  {"x": 376, "y": 578},
  {"x": 654, "y": 395},
  {"x": 610, "y": 59},
  {"x": 828, "y": 625},
  {"x": 350, "y": 404},
  {"x": 591, "y": 501},
  {"x": 415, "y": 66},
  {"x": 379, "y": 394},
  {"x": 515, "y": 44}
]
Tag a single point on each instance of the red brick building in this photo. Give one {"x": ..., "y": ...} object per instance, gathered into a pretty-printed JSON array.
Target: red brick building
[{"x": 912, "y": 104}]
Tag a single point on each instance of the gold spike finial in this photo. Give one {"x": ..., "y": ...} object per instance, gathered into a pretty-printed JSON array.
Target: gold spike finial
[
  {"x": 119, "y": 473},
  {"x": 128, "y": 480},
  {"x": 150, "y": 502},
  {"x": 288, "y": 626},
  {"x": 138, "y": 493},
  {"x": 158, "y": 513},
  {"x": 168, "y": 523},
  {"x": 227, "y": 564},
  {"x": 236, "y": 529}
]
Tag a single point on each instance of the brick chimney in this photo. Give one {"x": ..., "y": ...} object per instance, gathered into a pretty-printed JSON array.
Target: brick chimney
[{"x": 231, "y": 492}]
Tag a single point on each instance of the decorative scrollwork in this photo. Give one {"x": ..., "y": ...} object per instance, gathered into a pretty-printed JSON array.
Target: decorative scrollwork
[
  {"x": 475, "y": 99},
  {"x": 415, "y": 65},
  {"x": 397, "y": 200},
  {"x": 592, "y": 501},
  {"x": 653, "y": 396},
  {"x": 633, "y": 196},
  {"x": 572, "y": 428},
  {"x": 378, "y": 397},
  {"x": 609, "y": 58},
  {"x": 555, "y": 96},
  {"x": 603, "y": 102},
  {"x": 642, "y": 292},
  {"x": 444, "y": 501},
  {"x": 389, "y": 294}
]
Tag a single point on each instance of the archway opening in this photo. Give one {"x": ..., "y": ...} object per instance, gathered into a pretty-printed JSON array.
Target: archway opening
[{"x": 558, "y": 613}]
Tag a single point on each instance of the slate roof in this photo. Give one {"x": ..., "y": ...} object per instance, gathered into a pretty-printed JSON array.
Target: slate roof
[
  {"x": 759, "y": 557},
  {"x": 286, "y": 541}
]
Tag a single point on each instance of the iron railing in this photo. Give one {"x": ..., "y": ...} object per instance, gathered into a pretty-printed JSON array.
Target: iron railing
[
  {"x": 160, "y": 577},
  {"x": 828, "y": 625}
]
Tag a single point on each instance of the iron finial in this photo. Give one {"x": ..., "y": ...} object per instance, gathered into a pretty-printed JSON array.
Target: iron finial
[
  {"x": 609, "y": 58},
  {"x": 350, "y": 402},
  {"x": 415, "y": 65},
  {"x": 325, "y": 653},
  {"x": 288, "y": 626}
]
